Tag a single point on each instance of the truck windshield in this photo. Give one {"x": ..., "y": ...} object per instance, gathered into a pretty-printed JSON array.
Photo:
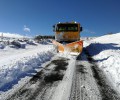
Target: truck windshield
[{"x": 67, "y": 27}]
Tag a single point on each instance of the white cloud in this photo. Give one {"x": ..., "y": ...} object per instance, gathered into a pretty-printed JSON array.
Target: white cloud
[
  {"x": 89, "y": 31},
  {"x": 26, "y": 29}
]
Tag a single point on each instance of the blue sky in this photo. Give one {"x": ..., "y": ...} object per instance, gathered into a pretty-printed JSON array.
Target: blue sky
[{"x": 34, "y": 17}]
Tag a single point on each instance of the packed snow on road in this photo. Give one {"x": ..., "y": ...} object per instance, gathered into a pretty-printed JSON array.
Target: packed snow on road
[{"x": 19, "y": 65}]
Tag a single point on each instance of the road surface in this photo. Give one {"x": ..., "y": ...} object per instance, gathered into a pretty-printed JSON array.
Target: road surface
[{"x": 87, "y": 82}]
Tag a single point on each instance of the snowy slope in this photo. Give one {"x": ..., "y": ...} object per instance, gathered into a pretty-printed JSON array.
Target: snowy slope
[
  {"x": 11, "y": 35},
  {"x": 106, "y": 52},
  {"x": 113, "y": 38}
]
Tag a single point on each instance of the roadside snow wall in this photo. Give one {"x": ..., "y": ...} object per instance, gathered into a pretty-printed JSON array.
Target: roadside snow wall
[{"x": 12, "y": 73}]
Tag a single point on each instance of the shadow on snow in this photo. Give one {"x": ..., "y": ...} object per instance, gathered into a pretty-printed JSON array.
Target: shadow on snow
[
  {"x": 95, "y": 48},
  {"x": 16, "y": 79}
]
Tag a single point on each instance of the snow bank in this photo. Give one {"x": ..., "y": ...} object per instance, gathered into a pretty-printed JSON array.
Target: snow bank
[
  {"x": 16, "y": 66},
  {"x": 106, "y": 52}
]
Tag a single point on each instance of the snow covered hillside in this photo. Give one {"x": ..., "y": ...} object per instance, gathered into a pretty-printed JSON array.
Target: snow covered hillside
[
  {"x": 106, "y": 52},
  {"x": 11, "y": 35}
]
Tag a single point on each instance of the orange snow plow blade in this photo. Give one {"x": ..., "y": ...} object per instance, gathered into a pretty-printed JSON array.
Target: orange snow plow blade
[{"x": 74, "y": 48}]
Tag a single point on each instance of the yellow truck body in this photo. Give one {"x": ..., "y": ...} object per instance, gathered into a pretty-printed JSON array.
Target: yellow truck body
[{"x": 67, "y": 37}]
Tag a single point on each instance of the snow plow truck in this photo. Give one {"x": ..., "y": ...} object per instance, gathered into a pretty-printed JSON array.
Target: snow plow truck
[{"x": 67, "y": 37}]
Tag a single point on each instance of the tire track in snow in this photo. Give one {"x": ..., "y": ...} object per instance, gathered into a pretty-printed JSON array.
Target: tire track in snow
[
  {"x": 84, "y": 86},
  {"x": 42, "y": 85}
]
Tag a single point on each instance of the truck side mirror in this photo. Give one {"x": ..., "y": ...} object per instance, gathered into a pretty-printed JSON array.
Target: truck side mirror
[
  {"x": 81, "y": 29},
  {"x": 53, "y": 28}
]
